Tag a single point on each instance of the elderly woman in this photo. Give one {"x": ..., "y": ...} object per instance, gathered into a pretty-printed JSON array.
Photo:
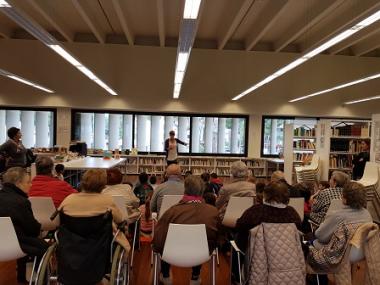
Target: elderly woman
[
  {"x": 190, "y": 210},
  {"x": 238, "y": 187},
  {"x": 14, "y": 149},
  {"x": 91, "y": 202},
  {"x": 353, "y": 212},
  {"x": 14, "y": 203}
]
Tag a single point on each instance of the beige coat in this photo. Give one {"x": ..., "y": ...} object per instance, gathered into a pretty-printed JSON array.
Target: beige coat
[
  {"x": 367, "y": 237},
  {"x": 275, "y": 256},
  {"x": 94, "y": 204}
]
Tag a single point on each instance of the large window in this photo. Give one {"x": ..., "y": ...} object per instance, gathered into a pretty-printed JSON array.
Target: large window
[
  {"x": 37, "y": 126},
  {"x": 147, "y": 132}
]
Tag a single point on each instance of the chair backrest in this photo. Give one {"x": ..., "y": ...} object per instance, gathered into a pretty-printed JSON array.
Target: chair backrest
[
  {"x": 235, "y": 208},
  {"x": 314, "y": 161},
  {"x": 336, "y": 204},
  {"x": 167, "y": 202},
  {"x": 9, "y": 246},
  {"x": 43, "y": 208},
  {"x": 370, "y": 175},
  {"x": 298, "y": 205},
  {"x": 121, "y": 203},
  {"x": 186, "y": 245}
]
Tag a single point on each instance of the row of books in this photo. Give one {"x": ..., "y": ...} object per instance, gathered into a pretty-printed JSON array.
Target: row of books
[
  {"x": 304, "y": 132},
  {"x": 340, "y": 161},
  {"x": 224, "y": 162},
  {"x": 351, "y": 146},
  {"x": 302, "y": 156},
  {"x": 304, "y": 144},
  {"x": 205, "y": 162},
  {"x": 357, "y": 130},
  {"x": 253, "y": 163},
  {"x": 151, "y": 160}
]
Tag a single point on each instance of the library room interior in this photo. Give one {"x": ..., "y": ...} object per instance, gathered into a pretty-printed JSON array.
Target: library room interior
[{"x": 189, "y": 142}]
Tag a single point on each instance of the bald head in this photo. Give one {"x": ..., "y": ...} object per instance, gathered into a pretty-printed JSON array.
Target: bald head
[{"x": 173, "y": 170}]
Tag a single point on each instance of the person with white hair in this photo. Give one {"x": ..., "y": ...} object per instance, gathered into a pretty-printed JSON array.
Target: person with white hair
[{"x": 238, "y": 187}]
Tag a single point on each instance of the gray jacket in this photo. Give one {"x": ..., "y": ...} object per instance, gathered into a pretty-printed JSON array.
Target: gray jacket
[
  {"x": 15, "y": 152},
  {"x": 174, "y": 186}
]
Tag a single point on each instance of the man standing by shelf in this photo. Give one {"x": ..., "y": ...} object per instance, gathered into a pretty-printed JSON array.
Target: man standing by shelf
[{"x": 360, "y": 160}]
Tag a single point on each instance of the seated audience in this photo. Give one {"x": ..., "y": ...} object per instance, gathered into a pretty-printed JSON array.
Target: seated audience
[
  {"x": 44, "y": 184},
  {"x": 146, "y": 222},
  {"x": 59, "y": 170},
  {"x": 153, "y": 181},
  {"x": 143, "y": 188},
  {"x": 320, "y": 201},
  {"x": 174, "y": 186},
  {"x": 92, "y": 202},
  {"x": 239, "y": 186},
  {"x": 354, "y": 211},
  {"x": 205, "y": 176},
  {"x": 190, "y": 210},
  {"x": 115, "y": 187},
  {"x": 274, "y": 209},
  {"x": 14, "y": 203},
  {"x": 260, "y": 192},
  {"x": 209, "y": 198},
  {"x": 279, "y": 176},
  {"x": 216, "y": 183}
]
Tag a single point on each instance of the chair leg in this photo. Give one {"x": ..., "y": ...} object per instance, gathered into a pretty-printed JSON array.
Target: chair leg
[
  {"x": 133, "y": 244},
  {"x": 217, "y": 256},
  {"x": 31, "y": 279},
  {"x": 213, "y": 269},
  {"x": 156, "y": 267},
  {"x": 151, "y": 257},
  {"x": 317, "y": 279},
  {"x": 238, "y": 256}
]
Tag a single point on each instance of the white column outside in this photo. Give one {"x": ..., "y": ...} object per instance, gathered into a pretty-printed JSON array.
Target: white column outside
[
  {"x": 142, "y": 142},
  {"x": 273, "y": 137},
  {"x": 235, "y": 136},
  {"x": 195, "y": 136},
  {"x": 42, "y": 129},
  {"x": 28, "y": 128},
  {"x": 127, "y": 131},
  {"x": 183, "y": 125},
  {"x": 86, "y": 129},
  {"x": 3, "y": 128},
  {"x": 221, "y": 135},
  {"x": 208, "y": 135},
  {"x": 169, "y": 125},
  {"x": 100, "y": 131},
  {"x": 13, "y": 119},
  {"x": 114, "y": 131},
  {"x": 156, "y": 135}
]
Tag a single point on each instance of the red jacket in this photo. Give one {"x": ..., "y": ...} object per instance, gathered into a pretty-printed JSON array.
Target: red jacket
[{"x": 47, "y": 186}]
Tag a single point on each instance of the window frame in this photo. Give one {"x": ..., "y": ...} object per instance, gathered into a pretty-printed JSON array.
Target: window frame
[
  {"x": 36, "y": 109},
  {"x": 178, "y": 114}
]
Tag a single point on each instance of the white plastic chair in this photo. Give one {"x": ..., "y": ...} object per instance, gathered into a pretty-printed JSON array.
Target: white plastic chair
[
  {"x": 298, "y": 205},
  {"x": 235, "y": 208},
  {"x": 186, "y": 246},
  {"x": 43, "y": 208},
  {"x": 371, "y": 175},
  {"x": 9, "y": 246},
  {"x": 167, "y": 202}
]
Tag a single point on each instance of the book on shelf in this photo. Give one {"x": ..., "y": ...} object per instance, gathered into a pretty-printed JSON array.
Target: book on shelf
[
  {"x": 354, "y": 130},
  {"x": 304, "y": 132},
  {"x": 304, "y": 157},
  {"x": 340, "y": 161},
  {"x": 350, "y": 146},
  {"x": 202, "y": 162},
  {"x": 304, "y": 144}
]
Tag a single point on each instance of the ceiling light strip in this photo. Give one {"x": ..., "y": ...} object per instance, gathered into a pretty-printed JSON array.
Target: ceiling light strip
[
  {"x": 338, "y": 38},
  {"x": 42, "y": 35},
  {"x": 362, "y": 100},
  {"x": 24, "y": 81},
  {"x": 185, "y": 42},
  {"x": 344, "y": 85}
]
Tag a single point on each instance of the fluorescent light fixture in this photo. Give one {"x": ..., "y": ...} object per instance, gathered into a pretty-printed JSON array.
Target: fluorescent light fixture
[
  {"x": 333, "y": 41},
  {"x": 179, "y": 77},
  {"x": 182, "y": 60},
  {"x": 30, "y": 83},
  {"x": 362, "y": 100},
  {"x": 191, "y": 9},
  {"x": 4, "y": 4},
  {"x": 62, "y": 52},
  {"x": 344, "y": 85},
  {"x": 67, "y": 56}
]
